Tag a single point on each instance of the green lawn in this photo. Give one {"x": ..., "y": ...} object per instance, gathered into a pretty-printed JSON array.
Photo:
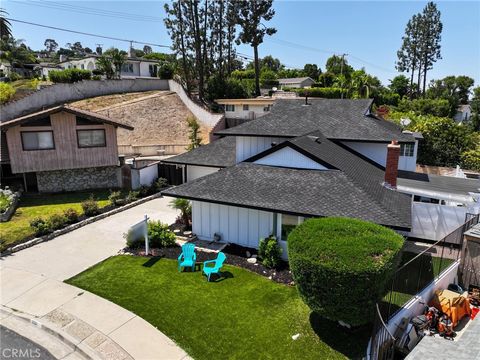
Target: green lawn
[
  {"x": 244, "y": 316},
  {"x": 32, "y": 206},
  {"x": 414, "y": 277}
]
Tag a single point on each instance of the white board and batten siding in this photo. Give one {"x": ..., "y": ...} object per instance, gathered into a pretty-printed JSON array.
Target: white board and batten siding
[
  {"x": 378, "y": 153},
  {"x": 234, "y": 224},
  {"x": 195, "y": 171},
  {"x": 288, "y": 157},
  {"x": 248, "y": 146}
]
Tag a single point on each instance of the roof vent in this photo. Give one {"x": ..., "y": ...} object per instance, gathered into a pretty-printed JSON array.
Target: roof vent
[
  {"x": 314, "y": 138},
  {"x": 273, "y": 144}
]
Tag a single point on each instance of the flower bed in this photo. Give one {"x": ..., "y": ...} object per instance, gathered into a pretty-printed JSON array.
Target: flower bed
[
  {"x": 8, "y": 203},
  {"x": 236, "y": 255}
]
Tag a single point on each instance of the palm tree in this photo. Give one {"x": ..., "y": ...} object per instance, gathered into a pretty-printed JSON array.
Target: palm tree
[
  {"x": 185, "y": 209},
  {"x": 118, "y": 59},
  {"x": 5, "y": 25}
]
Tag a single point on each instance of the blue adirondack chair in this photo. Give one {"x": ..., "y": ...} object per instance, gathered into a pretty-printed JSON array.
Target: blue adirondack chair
[
  {"x": 218, "y": 263},
  {"x": 188, "y": 257}
]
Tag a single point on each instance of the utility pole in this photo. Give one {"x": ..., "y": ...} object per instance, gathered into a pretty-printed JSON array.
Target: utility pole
[{"x": 341, "y": 69}]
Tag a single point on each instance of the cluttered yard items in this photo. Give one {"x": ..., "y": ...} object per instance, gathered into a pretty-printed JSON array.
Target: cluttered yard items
[{"x": 447, "y": 311}]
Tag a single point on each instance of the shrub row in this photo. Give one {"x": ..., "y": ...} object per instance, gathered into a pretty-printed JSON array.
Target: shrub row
[
  {"x": 54, "y": 222},
  {"x": 69, "y": 75},
  {"x": 91, "y": 208}
]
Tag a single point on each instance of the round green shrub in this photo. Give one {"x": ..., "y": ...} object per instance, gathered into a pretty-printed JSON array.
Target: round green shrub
[
  {"x": 71, "y": 215},
  {"x": 341, "y": 266},
  {"x": 57, "y": 221},
  {"x": 270, "y": 252}
]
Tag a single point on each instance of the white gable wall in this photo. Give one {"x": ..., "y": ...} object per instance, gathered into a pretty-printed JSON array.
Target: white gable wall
[
  {"x": 195, "y": 171},
  {"x": 378, "y": 153},
  {"x": 288, "y": 157},
  {"x": 234, "y": 224},
  {"x": 248, "y": 146}
]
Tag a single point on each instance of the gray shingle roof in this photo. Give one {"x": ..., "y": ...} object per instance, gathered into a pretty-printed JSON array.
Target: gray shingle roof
[
  {"x": 219, "y": 153},
  {"x": 285, "y": 190},
  {"x": 340, "y": 119},
  {"x": 294, "y": 80},
  {"x": 352, "y": 187},
  {"x": 443, "y": 184}
]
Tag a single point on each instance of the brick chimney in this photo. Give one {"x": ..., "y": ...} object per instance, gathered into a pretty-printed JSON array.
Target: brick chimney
[{"x": 391, "y": 166}]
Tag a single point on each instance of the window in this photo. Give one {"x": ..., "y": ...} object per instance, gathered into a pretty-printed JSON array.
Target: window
[
  {"x": 289, "y": 222},
  {"x": 37, "y": 140},
  {"x": 84, "y": 121},
  {"x": 127, "y": 68},
  {"x": 91, "y": 138},
  {"x": 266, "y": 108},
  {"x": 82, "y": 66},
  {"x": 229, "y": 107},
  {"x": 407, "y": 149},
  {"x": 38, "y": 122},
  {"x": 153, "y": 69},
  {"x": 245, "y": 107}
]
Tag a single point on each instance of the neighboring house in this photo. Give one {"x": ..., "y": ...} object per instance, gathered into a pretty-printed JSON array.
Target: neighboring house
[
  {"x": 133, "y": 67},
  {"x": 326, "y": 158},
  {"x": 26, "y": 70},
  {"x": 44, "y": 68},
  {"x": 62, "y": 149},
  {"x": 301, "y": 82},
  {"x": 237, "y": 111},
  {"x": 464, "y": 113}
]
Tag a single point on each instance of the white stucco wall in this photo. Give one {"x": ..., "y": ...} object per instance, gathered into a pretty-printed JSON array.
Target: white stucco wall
[
  {"x": 195, "y": 171},
  {"x": 248, "y": 146},
  {"x": 236, "y": 225},
  {"x": 287, "y": 157},
  {"x": 378, "y": 153},
  {"x": 239, "y": 113}
]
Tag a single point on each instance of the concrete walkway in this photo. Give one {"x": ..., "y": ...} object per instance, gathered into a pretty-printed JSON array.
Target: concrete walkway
[{"x": 31, "y": 285}]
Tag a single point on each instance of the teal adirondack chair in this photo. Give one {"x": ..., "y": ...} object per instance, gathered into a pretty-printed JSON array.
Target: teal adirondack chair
[
  {"x": 188, "y": 257},
  {"x": 209, "y": 270}
]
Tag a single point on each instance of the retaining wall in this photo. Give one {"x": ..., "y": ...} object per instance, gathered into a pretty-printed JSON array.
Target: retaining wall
[
  {"x": 204, "y": 116},
  {"x": 62, "y": 93}
]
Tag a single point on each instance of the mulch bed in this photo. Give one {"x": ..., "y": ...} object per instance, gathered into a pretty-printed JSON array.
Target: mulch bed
[{"x": 236, "y": 255}]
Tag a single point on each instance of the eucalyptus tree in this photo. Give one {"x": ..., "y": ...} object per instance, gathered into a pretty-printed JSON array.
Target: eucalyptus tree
[{"x": 251, "y": 15}]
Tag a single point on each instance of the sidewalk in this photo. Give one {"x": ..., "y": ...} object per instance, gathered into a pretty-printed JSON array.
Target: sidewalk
[{"x": 31, "y": 285}]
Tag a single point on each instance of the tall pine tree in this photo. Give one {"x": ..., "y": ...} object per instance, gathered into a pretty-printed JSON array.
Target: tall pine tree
[{"x": 250, "y": 17}]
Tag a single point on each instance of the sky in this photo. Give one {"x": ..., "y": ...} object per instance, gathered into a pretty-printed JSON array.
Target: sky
[{"x": 369, "y": 32}]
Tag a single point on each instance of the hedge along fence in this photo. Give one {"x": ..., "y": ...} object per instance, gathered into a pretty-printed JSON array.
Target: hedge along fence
[
  {"x": 341, "y": 266},
  {"x": 69, "y": 75}
]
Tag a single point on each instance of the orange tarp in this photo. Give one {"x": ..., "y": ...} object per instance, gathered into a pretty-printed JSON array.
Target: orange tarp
[{"x": 452, "y": 304}]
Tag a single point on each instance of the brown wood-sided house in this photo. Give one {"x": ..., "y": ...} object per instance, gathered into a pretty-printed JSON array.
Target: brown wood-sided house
[{"x": 62, "y": 149}]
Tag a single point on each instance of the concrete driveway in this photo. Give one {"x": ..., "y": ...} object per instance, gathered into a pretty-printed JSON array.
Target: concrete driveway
[
  {"x": 71, "y": 253},
  {"x": 31, "y": 284}
]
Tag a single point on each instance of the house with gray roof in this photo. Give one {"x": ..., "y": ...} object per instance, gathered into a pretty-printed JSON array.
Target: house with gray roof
[
  {"x": 268, "y": 174},
  {"x": 300, "y": 82},
  {"x": 315, "y": 158}
]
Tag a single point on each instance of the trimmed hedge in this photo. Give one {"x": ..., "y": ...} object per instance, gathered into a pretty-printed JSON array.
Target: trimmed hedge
[
  {"x": 69, "y": 75},
  {"x": 328, "y": 93},
  {"x": 341, "y": 266}
]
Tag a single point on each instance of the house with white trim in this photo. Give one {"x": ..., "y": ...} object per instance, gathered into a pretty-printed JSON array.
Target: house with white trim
[
  {"x": 324, "y": 157},
  {"x": 133, "y": 67},
  {"x": 301, "y": 82}
]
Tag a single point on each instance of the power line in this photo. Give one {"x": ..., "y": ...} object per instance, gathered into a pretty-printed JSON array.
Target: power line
[
  {"x": 309, "y": 48},
  {"x": 88, "y": 34},
  {"x": 89, "y": 11}
]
